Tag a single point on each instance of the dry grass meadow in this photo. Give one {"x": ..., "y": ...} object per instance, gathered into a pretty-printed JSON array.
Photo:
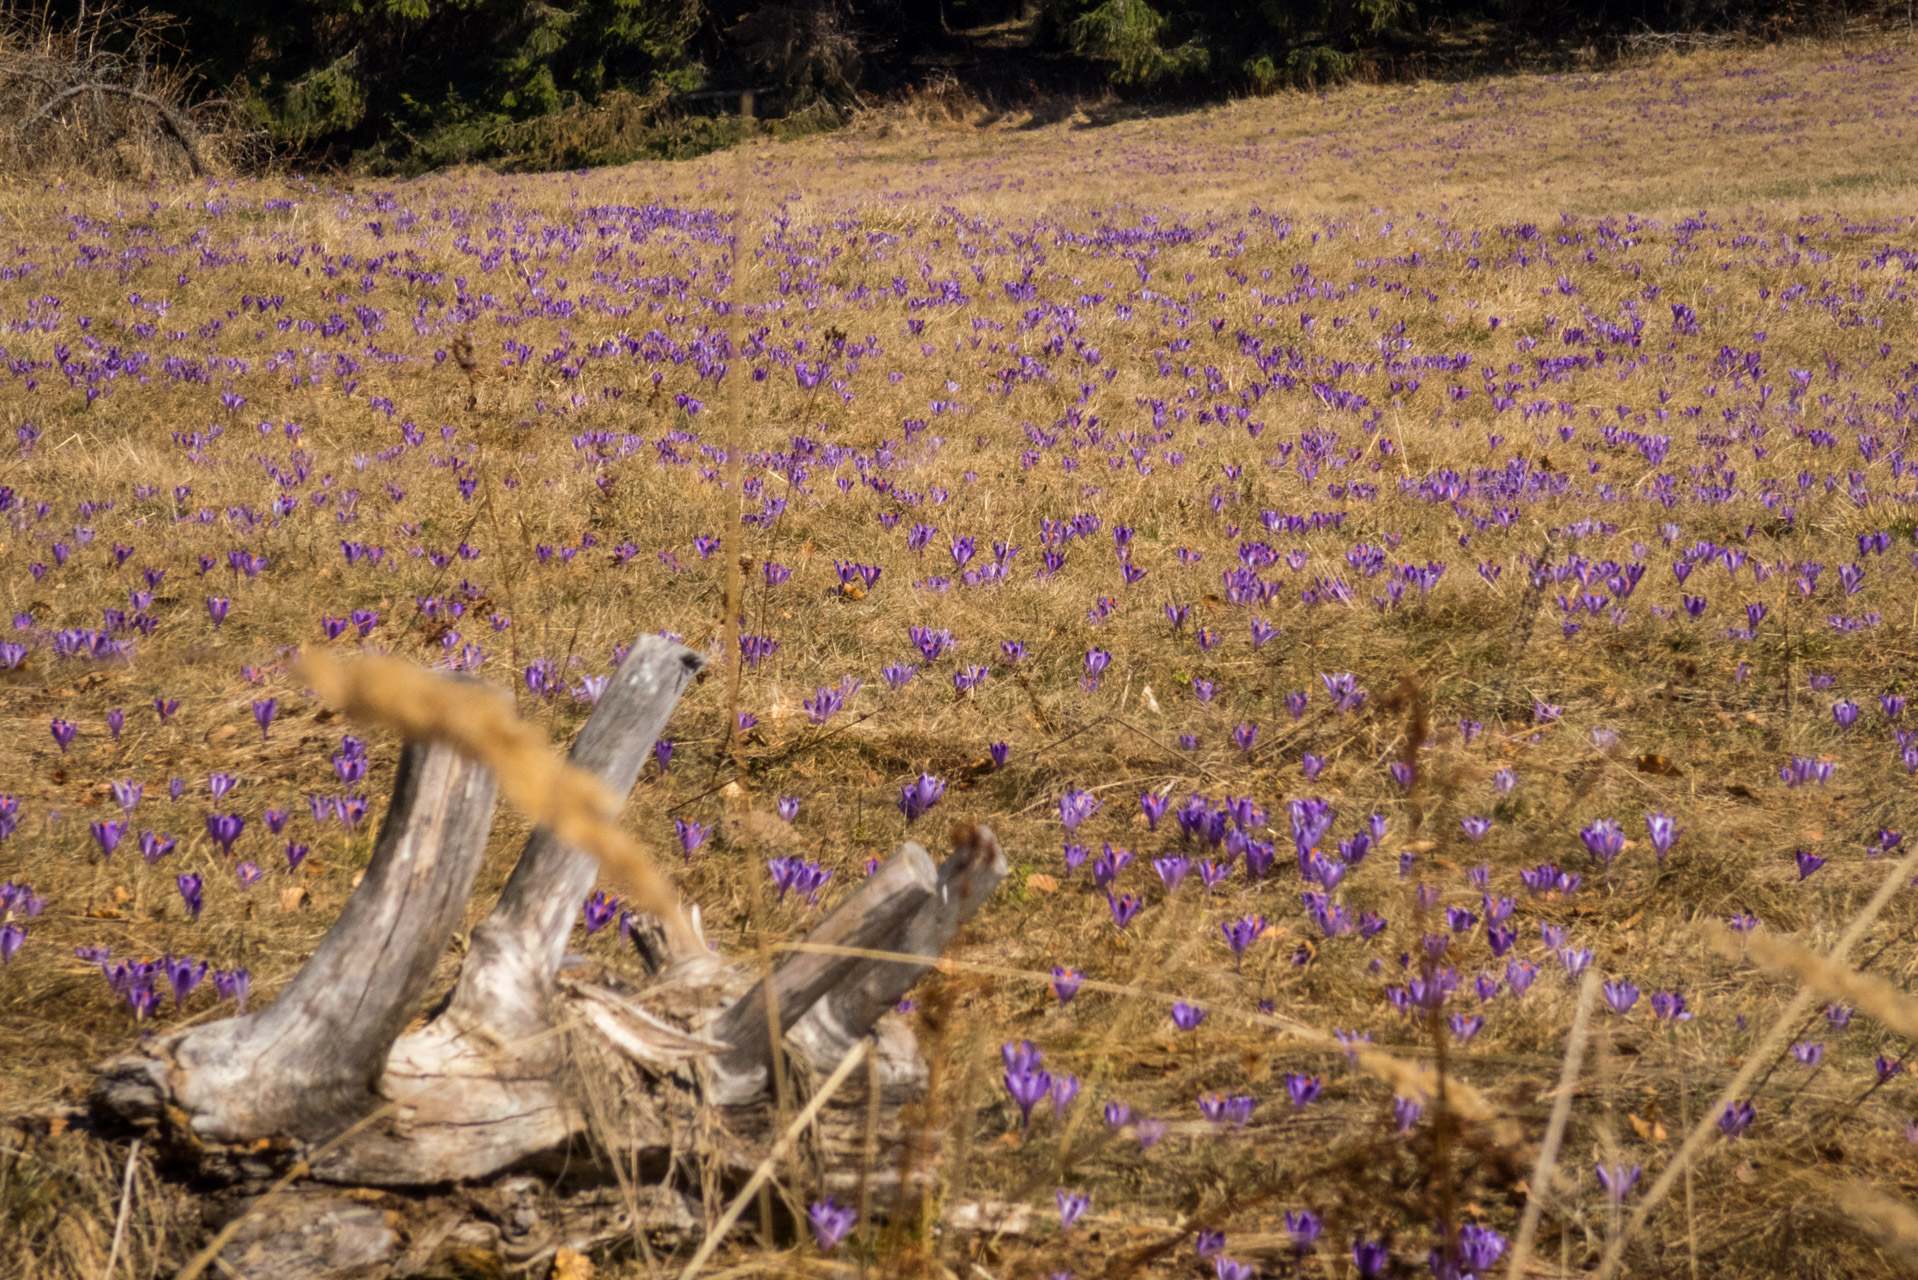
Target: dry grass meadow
[{"x": 1206, "y": 411}]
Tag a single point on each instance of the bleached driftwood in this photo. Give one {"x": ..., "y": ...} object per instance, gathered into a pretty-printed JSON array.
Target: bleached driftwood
[{"x": 548, "y": 1102}]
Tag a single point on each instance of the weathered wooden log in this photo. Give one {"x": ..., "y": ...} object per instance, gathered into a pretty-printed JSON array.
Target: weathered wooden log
[
  {"x": 873, "y": 916},
  {"x": 506, "y": 981},
  {"x": 514, "y": 1121},
  {"x": 872, "y": 987}
]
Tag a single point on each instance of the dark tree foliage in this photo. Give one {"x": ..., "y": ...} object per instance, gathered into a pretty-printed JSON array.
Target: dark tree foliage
[
  {"x": 423, "y": 82},
  {"x": 1258, "y": 45}
]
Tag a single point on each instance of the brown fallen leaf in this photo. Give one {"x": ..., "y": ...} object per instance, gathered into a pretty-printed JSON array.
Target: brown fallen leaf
[
  {"x": 1649, "y": 1130},
  {"x": 571, "y": 1264},
  {"x": 292, "y": 898},
  {"x": 1653, "y": 763},
  {"x": 1039, "y": 882}
]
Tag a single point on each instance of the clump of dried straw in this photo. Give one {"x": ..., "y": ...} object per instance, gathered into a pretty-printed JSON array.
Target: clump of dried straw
[{"x": 480, "y": 724}]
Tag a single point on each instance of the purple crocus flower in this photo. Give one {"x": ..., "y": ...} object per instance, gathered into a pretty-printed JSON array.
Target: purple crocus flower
[
  {"x": 1240, "y": 934},
  {"x": 1604, "y": 839},
  {"x": 1304, "y": 1227},
  {"x": 918, "y": 796},
  {"x": 12, "y": 937},
  {"x": 831, "y": 1222},
  {"x": 216, "y": 609},
  {"x": 165, "y": 707},
  {"x": 190, "y": 887},
  {"x": 1620, "y": 995},
  {"x": 788, "y": 807},
  {"x": 264, "y": 710},
  {"x": 1225, "y": 1268},
  {"x": 1065, "y": 983},
  {"x": 142, "y": 998},
  {"x": 1808, "y": 862},
  {"x": 1669, "y": 1006},
  {"x": 1618, "y": 1180},
  {"x": 1153, "y": 806},
  {"x": 1664, "y": 832},
  {"x": 107, "y": 835},
  {"x": 116, "y": 722},
  {"x": 1025, "y": 1079},
  {"x": 155, "y": 847},
  {"x": 1187, "y": 1017},
  {"x": 224, "y": 828},
  {"x": 1245, "y": 735},
  {"x": 1370, "y": 1258},
  {"x": 1736, "y": 1118},
  {"x": 1479, "y": 1247},
  {"x": 1464, "y": 1027},
  {"x": 1303, "y": 1089},
  {"x": 183, "y": 974},
  {"x": 1475, "y": 826},
  {"x": 599, "y": 910},
  {"x": 691, "y": 835},
  {"x": 233, "y": 984},
  {"x": 63, "y": 731},
  {"x": 1072, "y": 1207},
  {"x": 1075, "y": 806},
  {"x": 1406, "y": 1113}
]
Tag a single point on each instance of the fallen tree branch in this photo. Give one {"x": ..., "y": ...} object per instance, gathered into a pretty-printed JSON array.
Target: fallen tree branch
[{"x": 176, "y": 123}]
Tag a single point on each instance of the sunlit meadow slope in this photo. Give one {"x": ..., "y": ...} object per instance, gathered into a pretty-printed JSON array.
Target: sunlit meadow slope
[{"x": 1372, "y": 557}]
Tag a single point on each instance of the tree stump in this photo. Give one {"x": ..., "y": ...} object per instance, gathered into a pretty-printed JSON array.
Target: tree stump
[{"x": 549, "y": 1102}]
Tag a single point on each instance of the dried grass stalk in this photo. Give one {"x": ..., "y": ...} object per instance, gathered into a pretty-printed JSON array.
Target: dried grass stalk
[
  {"x": 479, "y": 723},
  {"x": 1891, "y": 1221},
  {"x": 1769, "y": 1045},
  {"x": 1832, "y": 979}
]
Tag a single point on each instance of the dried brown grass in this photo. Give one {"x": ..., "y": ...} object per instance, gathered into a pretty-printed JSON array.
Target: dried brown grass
[{"x": 1527, "y": 153}]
